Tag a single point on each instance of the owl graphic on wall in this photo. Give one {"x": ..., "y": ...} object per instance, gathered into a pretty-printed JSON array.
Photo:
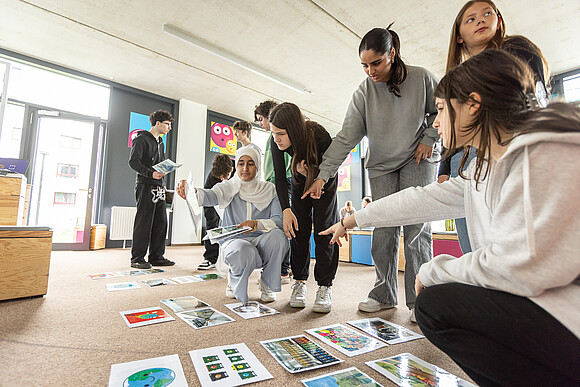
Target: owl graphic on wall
[
  {"x": 222, "y": 139},
  {"x": 343, "y": 178}
]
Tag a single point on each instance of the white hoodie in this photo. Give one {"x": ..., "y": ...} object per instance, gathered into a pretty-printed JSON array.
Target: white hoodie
[{"x": 523, "y": 223}]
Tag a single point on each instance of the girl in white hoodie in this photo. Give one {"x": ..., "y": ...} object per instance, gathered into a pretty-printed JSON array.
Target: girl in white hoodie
[{"x": 507, "y": 313}]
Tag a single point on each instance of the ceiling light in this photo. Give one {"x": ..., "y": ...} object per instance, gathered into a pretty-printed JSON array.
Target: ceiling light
[{"x": 186, "y": 37}]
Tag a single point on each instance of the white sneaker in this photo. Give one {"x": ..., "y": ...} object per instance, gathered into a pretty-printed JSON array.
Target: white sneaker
[
  {"x": 267, "y": 294},
  {"x": 298, "y": 297},
  {"x": 285, "y": 279},
  {"x": 413, "y": 316},
  {"x": 206, "y": 265},
  {"x": 370, "y": 305},
  {"x": 323, "y": 302},
  {"x": 229, "y": 291}
]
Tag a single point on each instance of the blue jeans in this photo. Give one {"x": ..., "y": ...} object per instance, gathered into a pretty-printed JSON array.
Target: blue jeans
[
  {"x": 416, "y": 238},
  {"x": 461, "y": 224}
]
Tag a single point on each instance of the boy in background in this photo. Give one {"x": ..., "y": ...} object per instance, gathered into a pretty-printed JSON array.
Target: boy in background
[{"x": 243, "y": 132}]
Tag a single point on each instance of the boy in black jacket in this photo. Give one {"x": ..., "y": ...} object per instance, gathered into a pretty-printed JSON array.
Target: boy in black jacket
[{"x": 150, "y": 226}]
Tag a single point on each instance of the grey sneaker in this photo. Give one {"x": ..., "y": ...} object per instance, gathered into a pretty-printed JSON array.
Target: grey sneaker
[
  {"x": 285, "y": 279},
  {"x": 370, "y": 305},
  {"x": 413, "y": 319},
  {"x": 298, "y": 297},
  {"x": 267, "y": 294},
  {"x": 323, "y": 302}
]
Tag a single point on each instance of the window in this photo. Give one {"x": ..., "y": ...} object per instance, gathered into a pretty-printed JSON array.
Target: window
[
  {"x": 43, "y": 86},
  {"x": 67, "y": 170},
  {"x": 572, "y": 88},
  {"x": 16, "y": 134},
  {"x": 65, "y": 198},
  {"x": 70, "y": 142}
]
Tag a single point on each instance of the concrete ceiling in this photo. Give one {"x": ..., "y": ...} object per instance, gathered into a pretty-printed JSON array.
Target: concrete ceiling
[{"x": 312, "y": 43}]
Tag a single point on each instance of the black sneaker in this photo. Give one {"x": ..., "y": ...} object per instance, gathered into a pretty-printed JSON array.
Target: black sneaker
[
  {"x": 141, "y": 265},
  {"x": 206, "y": 265},
  {"x": 162, "y": 262}
]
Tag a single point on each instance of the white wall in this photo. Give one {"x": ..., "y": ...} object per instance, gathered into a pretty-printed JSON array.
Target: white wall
[{"x": 191, "y": 150}]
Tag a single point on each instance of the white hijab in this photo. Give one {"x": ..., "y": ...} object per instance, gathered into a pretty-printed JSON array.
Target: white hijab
[{"x": 258, "y": 192}]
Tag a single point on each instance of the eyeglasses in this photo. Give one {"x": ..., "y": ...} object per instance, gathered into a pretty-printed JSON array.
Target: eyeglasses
[{"x": 168, "y": 123}]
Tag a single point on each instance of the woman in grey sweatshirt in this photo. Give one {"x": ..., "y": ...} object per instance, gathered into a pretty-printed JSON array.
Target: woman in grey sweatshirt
[
  {"x": 392, "y": 108},
  {"x": 509, "y": 311}
]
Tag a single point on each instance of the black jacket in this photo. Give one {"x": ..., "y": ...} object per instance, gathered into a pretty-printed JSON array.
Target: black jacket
[{"x": 146, "y": 152}]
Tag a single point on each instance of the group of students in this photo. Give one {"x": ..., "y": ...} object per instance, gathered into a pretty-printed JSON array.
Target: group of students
[{"x": 507, "y": 311}]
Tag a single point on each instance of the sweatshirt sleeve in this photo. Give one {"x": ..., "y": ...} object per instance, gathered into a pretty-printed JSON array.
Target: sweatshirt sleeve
[
  {"x": 533, "y": 244},
  {"x": 352, "y": 132},
  {"x": 280, "y": 174},
  {"x": 430, "y": 135},
  {"x": 415, "y": 205},
  {"x": 136, "y": 156},
  {"x": 206, "y": 197},
  {"x": 275, "y": 220}
]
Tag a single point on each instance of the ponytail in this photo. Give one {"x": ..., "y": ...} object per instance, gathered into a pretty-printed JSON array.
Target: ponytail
[{"x": 381, "y": 41}]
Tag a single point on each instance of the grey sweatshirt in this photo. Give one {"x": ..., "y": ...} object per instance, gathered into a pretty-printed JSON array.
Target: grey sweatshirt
[
  {"x": 523, "y": 224},
  {"x": 394, "y": 126}
]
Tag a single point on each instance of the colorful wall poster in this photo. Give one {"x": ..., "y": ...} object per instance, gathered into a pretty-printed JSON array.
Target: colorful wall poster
[
  {"x": 408, "y": 370},
  {"x": 385, "y": 330},
  {"x": 343, "y": 178},
  {"x": 346, "y": 340},
  {"x": 180, "y": 304},
  {"x": 205, "y": 317},
  {"x": 251, "y": 309},
  {"x": 122, "y": 286},
  {"x": 159, "y": 372},
  {"x": 299, "y": 353},
  {"x": 228, "y": 365},
  {"x": 145, "y": 316},
  {"x": 139, "y": 122},
  {"x": 222, "y": 139},
  {"x": 348, "y": 377},
  {"x": 353, "y": 156}
]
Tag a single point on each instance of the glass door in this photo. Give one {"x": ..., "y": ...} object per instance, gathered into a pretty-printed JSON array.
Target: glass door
[{"x": 63, "y": 176}]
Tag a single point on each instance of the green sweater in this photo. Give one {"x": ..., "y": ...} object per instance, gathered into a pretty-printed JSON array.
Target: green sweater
[{"x": 269, "y": 165}]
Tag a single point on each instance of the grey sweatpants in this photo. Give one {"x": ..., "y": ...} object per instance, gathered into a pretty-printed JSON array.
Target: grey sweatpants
[
  {"x": 416, "y": 238},
  {"x": 245, "y": 255}
]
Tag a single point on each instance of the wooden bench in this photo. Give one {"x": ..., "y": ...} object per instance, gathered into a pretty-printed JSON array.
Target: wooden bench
[{"x": 24, "y": 261}]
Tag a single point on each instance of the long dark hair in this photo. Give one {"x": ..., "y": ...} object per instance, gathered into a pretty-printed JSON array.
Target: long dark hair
[
  {"x": 288, "y": 116},
  {"x": 381, "y": 41},
  {"x": 506, "y": 86}
]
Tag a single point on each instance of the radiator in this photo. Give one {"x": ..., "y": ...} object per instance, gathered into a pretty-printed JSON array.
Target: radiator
[{"x": 122, "y": 219}]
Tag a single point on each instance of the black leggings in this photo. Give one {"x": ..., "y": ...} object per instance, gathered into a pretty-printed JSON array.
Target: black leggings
[
  {"x": 324, "y": 212},
  {"x": 497, "y": 338}
]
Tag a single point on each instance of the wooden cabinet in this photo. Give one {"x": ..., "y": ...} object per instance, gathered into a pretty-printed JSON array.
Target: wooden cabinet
[
  {"x": 12, "y": 199},
  {"x": 24, "y": 261}
]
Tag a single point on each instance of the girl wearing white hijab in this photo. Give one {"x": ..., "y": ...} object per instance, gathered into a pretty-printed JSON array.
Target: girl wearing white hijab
[{"x": 248, "y": 201}]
